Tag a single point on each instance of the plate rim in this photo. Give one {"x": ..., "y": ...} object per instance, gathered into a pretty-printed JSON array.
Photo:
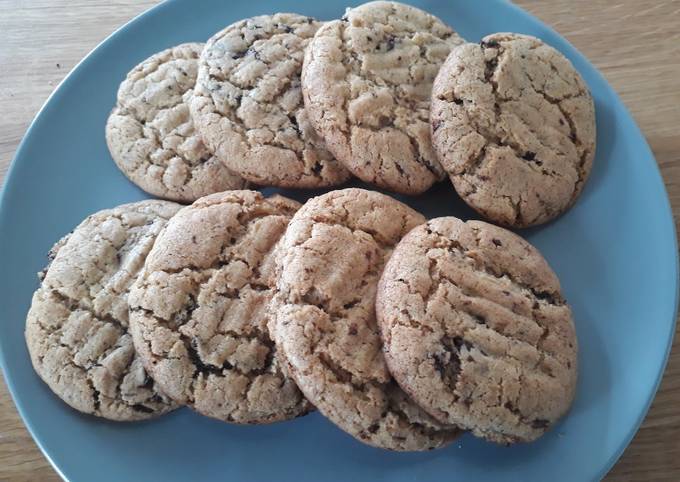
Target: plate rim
[{"x": 573, "y": 52}]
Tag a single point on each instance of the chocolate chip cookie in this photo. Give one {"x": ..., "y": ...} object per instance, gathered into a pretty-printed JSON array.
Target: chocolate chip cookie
[
  {"x": 513, "y": 123},
  {"x": 248, "y": 105},
  {"x": 151, "y": 136},
  {"x": 199, "y": 311},
  {"x": 77, "y": 327},
  {"x": 476, "y": 329},
  {"x": 367, "y": 81}
]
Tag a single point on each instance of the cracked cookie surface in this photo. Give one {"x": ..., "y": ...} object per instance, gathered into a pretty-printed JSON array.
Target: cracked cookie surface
[
  {"x": 328, "y": 266},
  {"x": 151, "y": 136},
  {"x": 513, "y": 124},
  {"x": 248, "y": 105},
  {"x": 199, "y": 311},
  {"x": 476, "y": 329},
  {"x": 77, "y": 327},
  {"x": 367, "y": 81}
]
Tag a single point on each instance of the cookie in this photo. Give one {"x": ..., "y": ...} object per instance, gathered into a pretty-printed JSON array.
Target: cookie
[
  {"x": 199, "y": 311},
  {"x": 248, "y": 107},
  {"x": 328, "y": 266},
  {"x": 476, "y": 329},
  {"x": 77, "y": 327},
  {"x": 513, "y": 124},
  {"x": 367, "y": 81},
  {"x": 151, "y": 136}
]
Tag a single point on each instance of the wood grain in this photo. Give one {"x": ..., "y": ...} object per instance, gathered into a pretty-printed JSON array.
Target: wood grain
[{"x": 634, "y": 43}]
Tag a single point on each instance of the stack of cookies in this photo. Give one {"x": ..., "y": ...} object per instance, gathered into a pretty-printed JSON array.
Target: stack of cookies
[{"x": 402, "y": 331}]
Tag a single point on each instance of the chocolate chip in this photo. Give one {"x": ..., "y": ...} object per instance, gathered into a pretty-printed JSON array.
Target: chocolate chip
[
  {"x": 488, "y": 72},
  {"x": 447, "y": 364},
  {"x": 95, "y": 394},
  {"x": 539, "y": 423},
  {"x": 511, "y": 407},
  {"x": 148, "y": 382},
  {"x": 549, "y": 297},
  {"x": 459, "y": 342},
  {"x": 294, "y": 123},
  {"x": 142, "y": 408},
  {"x": 192, "y": 351},
  {"x": 254, "y": 53},
  {"x": 497, "y": 242}
]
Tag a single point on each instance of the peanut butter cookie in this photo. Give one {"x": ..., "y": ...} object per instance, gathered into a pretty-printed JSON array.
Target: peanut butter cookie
[
  {"x": 77, "y": 327},
  {"x": 367, "y": 81},
  {"x": 151, "y": 136},
  {"x": 476, "y": 329},
  {"x": 248, "y": 105},
  {"x": 513, "y": 124},
  {"x": 199, "y": 311}
]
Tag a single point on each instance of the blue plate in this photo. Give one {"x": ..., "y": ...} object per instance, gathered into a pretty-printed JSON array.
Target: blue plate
[{"x": 615, "y": 253}]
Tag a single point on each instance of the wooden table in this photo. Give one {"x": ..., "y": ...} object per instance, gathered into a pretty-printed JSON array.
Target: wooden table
[{"x": 634, "y": 43}]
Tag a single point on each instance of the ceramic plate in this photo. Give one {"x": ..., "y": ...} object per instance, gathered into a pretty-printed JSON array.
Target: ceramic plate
[{"x": 615, "y": 253}]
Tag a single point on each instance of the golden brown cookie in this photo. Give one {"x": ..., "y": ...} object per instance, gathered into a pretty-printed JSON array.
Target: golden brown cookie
[
  {"x": 328, "y": 265},
  {"x": 199, "y": 311},
  {"x": 248, "y": 105},
  {"x": 476, "y": 329},
  {"x": 367, "y": 81},
  {"x": 513, "y": 124},
  {"x": 77, "y": 327},
  {"x": 151, "y": 136}
]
